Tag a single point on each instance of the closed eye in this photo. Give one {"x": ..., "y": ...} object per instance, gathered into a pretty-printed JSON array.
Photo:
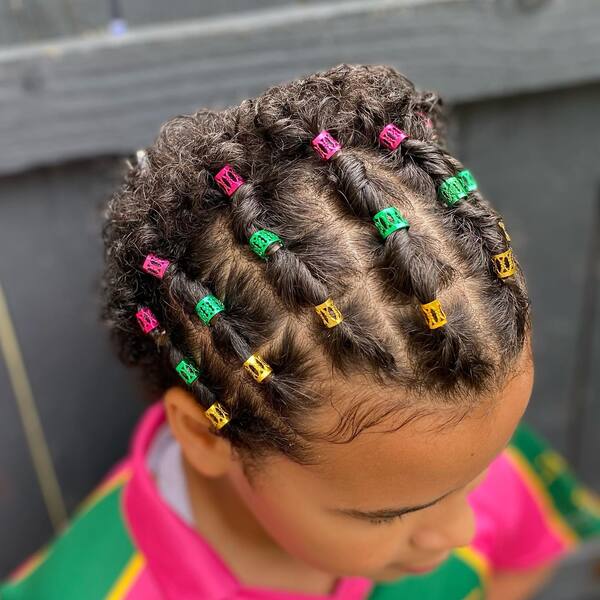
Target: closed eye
[
  {"x": 381, "y": 520},
  {"x": 389, "y": 514}
]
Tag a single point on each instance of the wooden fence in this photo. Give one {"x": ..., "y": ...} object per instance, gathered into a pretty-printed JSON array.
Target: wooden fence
[{"x": 84, "y": 83}]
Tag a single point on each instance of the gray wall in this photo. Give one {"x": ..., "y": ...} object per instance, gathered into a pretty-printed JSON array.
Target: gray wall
[
  {"x": 50, "y": 251},
  {"x": 522, "y": 79}
]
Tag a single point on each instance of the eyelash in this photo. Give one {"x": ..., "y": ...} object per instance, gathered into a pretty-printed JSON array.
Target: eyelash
[{"x": 386, "y": 520}]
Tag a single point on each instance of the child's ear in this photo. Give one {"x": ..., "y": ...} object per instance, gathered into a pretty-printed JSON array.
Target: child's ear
[{"x": 209, "y": 454}]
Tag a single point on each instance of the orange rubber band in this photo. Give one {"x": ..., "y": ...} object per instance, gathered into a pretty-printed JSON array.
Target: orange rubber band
[
  {"x": 505, "y": 264},
  {"x": 217, "y": 415},
  {"x": 257, "y": 367},
  {"x": 503, "y": 227},
  {"x": 329, "y": 313},
  {"x": 434, "y": 315}
]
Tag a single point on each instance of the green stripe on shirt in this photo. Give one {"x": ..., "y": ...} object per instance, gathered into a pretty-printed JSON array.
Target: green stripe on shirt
[
  {"x": 84, "y": 561},
  {"x": 574, "y": 502},
  {"x": 455, "y": 579}
]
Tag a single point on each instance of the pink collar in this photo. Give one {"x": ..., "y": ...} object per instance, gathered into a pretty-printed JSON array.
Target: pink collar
[{"x": 184, "y": 565}]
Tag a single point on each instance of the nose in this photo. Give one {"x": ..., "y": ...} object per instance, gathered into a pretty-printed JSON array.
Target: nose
[{"x": 453, "y": 526}]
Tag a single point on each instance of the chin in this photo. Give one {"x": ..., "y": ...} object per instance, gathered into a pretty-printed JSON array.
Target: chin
[{"x": 395, "y": 572}]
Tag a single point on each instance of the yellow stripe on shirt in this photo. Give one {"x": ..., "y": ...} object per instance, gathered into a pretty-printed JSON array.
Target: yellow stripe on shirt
[
  {"x": 475, "y": 559},
  {"x": 540, "y": 494},
  {"x": 105, "y": 488},
  {"x": 127, "y": 578}
]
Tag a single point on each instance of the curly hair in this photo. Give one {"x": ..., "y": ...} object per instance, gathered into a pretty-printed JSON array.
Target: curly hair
[{"x": 170, "y": 205}]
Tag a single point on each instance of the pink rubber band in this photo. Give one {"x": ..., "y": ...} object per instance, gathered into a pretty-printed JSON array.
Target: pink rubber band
[
  {"x": 155, "y": 266},
  {"x": 427, "y": 120},
  {"x": 228, "y": 179},
  {"x": 325, "y": 145},
  {"x": 391, "y": 137},
  {"x": 146, "y": 319}
]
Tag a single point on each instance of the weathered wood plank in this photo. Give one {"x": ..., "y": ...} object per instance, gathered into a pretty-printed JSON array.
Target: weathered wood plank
[
  {"x": 547, "y": 194},
  {"x": 29, "y": 21},
  {"x": 145, "y": 12},
  {"x": 23, "y": 517},
  {"x": 26, "y": 21},
  {"x": 576, "y": 577},
  {"x": 50, "y": 244},
  {"x": 84, "y": 97},
  {"x": 589, "y": 388}
]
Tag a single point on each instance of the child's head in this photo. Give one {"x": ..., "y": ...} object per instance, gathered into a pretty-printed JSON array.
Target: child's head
[{"x": 371, "y": 405}]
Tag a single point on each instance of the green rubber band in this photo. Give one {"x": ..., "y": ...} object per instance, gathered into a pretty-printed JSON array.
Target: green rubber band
[
  {"x": 388, "y": 220},
  {"x": 187, "y": 371},
  {"x": 208, "y": 307},
  {"x": 451, "y": 191},
  {"x": 467, "y": 180},
  {"x": 260, "y": 241}
]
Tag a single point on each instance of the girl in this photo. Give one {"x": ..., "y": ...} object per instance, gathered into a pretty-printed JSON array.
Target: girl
[{"x": 340, "y": 334}]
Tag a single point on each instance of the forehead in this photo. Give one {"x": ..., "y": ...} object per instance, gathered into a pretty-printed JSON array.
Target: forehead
[{"x": 418, "y": 462}]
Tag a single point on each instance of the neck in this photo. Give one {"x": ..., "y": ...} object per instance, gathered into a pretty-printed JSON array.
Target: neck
[{"x": 225, "y": 522}]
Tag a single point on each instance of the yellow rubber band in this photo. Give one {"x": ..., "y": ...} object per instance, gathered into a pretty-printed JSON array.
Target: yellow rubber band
[
  {"x": 504, "y": 263},
  {"x": 503, "y": 227},
  {"x": 434, "y": 315},
  {"x": 257, "y": 367},
  {"x": 217, "y": 415},
  {"x": 329, "y": 313}
]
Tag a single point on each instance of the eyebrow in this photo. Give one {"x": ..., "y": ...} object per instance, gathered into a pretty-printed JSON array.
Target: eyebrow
[{"x": 388, "y": 513}]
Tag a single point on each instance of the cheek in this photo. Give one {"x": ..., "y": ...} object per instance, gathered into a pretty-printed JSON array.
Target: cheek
[{"x": 327, "y": 542}]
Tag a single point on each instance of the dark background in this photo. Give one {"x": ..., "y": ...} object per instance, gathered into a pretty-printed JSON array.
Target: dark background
[{"x": 83, "y": 84}]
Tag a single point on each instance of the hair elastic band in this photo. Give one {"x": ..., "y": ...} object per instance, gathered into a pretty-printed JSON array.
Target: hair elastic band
[
  {"x": 451, "y": 191},
  {"x": 388, "y": 220},
  {"x": 187, "y": 371},
  {"x": 208, "y": 307},
  {"x": 391, "y": 137},
  {"x": 146, "y": 319},
  {"x": 260, "y": 242},
  {"x": 503, "y": 227},
  {"x": 468, "y": 181},
  {"x": 156, "y": 266},
  {"x": 428, "y": 121},
  {"x": 434, "y": 315},
  {"x": 217, "y": 415},
  {"x": 454, "y": 189},
  {"x": 504, "y": 263},
  {"x": 325, "y": 145},
  {"x": 257, "y": 367},
  {"x": 329, "y": 313},
  {"x": 228, "y": 179}
]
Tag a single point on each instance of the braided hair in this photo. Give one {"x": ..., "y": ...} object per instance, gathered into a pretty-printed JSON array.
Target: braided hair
[{"x": 287, "y": 232}]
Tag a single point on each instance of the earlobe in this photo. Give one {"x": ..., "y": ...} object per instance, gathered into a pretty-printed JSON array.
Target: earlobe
[{"x": 209, "y": 454}]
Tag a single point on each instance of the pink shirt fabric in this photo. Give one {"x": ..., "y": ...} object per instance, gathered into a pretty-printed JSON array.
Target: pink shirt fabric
[{"x": 512, "y": 532}]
